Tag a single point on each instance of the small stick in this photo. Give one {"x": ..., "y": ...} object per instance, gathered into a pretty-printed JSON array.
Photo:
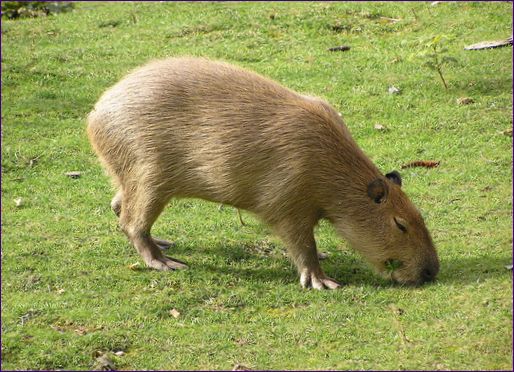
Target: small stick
[
  {"x": 342, "y": 48},
  {"x": 393, "y": 20},
  {"x": 397, "y": 313},
  {"x": 240, "y": 217}
]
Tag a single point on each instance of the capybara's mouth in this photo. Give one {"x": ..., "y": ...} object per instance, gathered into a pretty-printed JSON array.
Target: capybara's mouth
[
  {"x": 395, "y": 271},
  {"x": 397, "y": 278},
  {"x": 390, "y": 268}
]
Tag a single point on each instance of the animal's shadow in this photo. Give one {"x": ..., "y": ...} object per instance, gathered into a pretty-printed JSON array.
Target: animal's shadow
[
  {"x": 344, "y": 267},
  {"x": 486, "y": 86}
]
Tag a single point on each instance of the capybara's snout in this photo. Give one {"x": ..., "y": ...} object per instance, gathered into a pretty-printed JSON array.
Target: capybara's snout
[
  {"x": 427, "y": 274},
  {"x": 430, "y": 271}
]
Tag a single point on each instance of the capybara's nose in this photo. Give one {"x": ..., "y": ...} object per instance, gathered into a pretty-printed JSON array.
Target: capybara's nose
[
  {"x": 430, "y": 270},
  {"x": 428, "y": 275}
]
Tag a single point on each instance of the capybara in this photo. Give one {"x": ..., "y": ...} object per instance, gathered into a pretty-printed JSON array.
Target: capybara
[{"x": 192, "y": 127}]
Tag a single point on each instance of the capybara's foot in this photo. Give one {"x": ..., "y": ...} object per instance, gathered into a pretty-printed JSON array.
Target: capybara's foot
[
  {"x": 163, "y": 244},
  {"x": 317, "y": 280},
  {"x": 165, "y": 263}
]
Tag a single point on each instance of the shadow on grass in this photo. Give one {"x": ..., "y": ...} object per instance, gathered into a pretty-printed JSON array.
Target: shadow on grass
[
  {"x": 347, "y": 269},
  {"x": 469, "y": 270},
  {"x": 486, "y": 86}
]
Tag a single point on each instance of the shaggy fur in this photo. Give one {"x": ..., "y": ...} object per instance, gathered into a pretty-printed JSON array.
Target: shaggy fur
[{"x": 191, "y": 127}]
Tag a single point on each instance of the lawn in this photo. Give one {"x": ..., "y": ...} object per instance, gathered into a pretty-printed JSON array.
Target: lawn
[{"x": 73, "y": 289}]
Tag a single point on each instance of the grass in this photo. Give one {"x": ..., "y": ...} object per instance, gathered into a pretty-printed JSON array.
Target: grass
[{"x": 67, "y": 290}]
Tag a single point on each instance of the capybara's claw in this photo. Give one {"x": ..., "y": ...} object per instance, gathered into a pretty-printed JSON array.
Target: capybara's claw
[
  {"x": 165, "y": 263},
  {"x": 310, "y": 279},
  {"x": 330, "y": 283},
  {"x": 163, "y": 244}
]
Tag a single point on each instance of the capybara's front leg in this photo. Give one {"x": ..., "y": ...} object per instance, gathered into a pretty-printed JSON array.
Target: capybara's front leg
[{"x": 301, "y": 247}]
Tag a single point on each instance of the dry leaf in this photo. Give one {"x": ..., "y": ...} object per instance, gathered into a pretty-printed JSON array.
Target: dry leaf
[
  {"x": 57, "y": 328},
  {"x": 380, "y": 127},
  {"x": 342, "y": 48},
  {"x": 81, "y": 330},
  {"x": 174, "y": 313},
  {"x": 390, "y": 20},
  {"x": 29, "y": 315},
  {"x": 393, "y": 90},
  {"x": 103, "y": 362},
  {"x": 134, "y": 266},
  {"x": 242, "y": 341},
  {"x": 119, "y": 353},
  {"x": 396, "y": 310},
  {"x": 421, "y": 163},
  {"x": 240, "y": 367},
  {"x": 508, "y": 132},
  {"x": 73, "y": 174},
  {"x": 508, "y": 267},
  {"x": 60, "y": 291},
  {"x": 33, "y": 161},
  {"x": 18, "y": 202},
  {"x": 465, "y": 100}
]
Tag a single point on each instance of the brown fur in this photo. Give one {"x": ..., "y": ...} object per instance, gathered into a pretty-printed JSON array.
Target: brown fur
[{"x": 190, "y": 127}]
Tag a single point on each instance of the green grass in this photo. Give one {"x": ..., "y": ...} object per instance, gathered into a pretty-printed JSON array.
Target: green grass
[{"x": 67, "y": 290}]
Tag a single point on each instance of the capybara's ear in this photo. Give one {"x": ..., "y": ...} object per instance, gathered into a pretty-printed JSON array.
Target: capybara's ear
[
  {"x": 377, "y": 190},
  {"x": 395, "y": 177}
]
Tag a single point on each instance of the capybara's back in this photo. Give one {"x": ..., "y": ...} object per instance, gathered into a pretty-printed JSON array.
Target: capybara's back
[
  {"x": 191, "y": 127},
  {"x": 207, "y": 129}
]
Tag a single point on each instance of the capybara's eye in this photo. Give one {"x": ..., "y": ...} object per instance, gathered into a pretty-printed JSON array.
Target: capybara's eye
[{"x": 400, "y": 224}]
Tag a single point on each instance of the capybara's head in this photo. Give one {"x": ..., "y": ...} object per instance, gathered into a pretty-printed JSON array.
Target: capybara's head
[{"x": 391, "y": 234}]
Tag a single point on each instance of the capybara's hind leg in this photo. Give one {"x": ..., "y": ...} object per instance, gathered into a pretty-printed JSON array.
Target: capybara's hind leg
[
  {"x": 116, "y": 205},
  {"x": 301, "y": 246},
  {"x": 140, "y": 210}
]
